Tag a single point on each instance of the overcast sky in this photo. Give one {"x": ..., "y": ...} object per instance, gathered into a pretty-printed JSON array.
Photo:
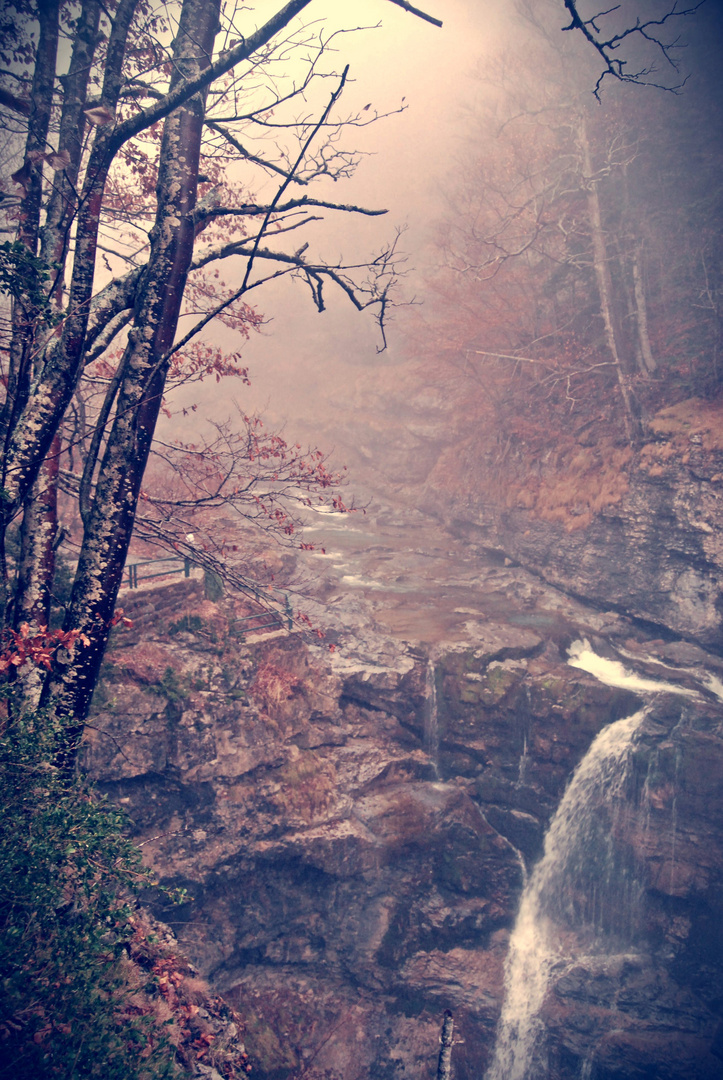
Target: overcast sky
[
  {"x": 303, "y": 360},
  {"x": 303, "y": 356}
]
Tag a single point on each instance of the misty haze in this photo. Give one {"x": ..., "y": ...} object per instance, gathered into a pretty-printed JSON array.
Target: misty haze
[{"x": 362, "y": 655}]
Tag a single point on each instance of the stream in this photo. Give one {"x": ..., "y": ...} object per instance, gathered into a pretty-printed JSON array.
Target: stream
[
  {"x": 584, "y": 900},
  {"x": 424, "y": 585}
]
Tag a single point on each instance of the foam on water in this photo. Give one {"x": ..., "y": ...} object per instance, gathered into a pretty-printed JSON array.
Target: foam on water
[
  {"x": 613, "y": 673},
  {"x": 581, "y": 819}
]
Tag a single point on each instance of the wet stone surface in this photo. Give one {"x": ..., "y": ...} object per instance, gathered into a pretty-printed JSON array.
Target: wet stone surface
[{"x": 350, "y": 878}]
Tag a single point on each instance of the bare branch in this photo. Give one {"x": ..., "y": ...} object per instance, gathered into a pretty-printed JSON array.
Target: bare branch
[
  {"x": 254, "y": 210},
  {"x": 187, "y": 88},
  {"x": 415, "y": 11},
  {"x": 233, "y": 141},
  {"x": 647, "y": 30},
  {"x": 11, "y": 101}
]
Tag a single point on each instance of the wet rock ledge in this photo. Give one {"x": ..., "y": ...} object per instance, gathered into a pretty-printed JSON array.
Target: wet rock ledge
[{"x": 351, "y": 877}]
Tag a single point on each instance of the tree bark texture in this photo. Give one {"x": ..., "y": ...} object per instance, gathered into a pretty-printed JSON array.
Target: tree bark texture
[
  {"x": 22, "y": 342},
  {"x": 31, "y": 435},
  {"x": 62, "y": 205},
  {"x": 144, "y": 368},
  {"x": 37, "y": 546},
  {"x": 641, "y": 313}
]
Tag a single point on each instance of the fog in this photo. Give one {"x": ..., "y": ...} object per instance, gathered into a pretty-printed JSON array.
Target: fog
[
  {"x": 312, "y": 373},
  {"x": 303, "y": 359}
]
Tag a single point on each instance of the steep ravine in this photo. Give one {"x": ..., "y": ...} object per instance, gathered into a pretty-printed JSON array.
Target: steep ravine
[
  {"x": 643, "y": 538},
  {"x": 634, "y": 531},
  {"x": 347, "y": 888}
]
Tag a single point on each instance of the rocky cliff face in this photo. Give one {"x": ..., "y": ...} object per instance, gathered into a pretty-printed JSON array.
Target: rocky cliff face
[
  {"x": 353, "y": 872},
  {"x": 638, "y": 531},
  {"x": 645, "y": 539}
]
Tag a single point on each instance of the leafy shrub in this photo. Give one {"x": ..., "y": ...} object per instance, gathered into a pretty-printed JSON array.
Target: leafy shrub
[
  {"x": 170, "y": 687},
  {"x": 67, "y": 878},
  {"x": 187, "y": 624},
  {"x": 25, "y": 277}
]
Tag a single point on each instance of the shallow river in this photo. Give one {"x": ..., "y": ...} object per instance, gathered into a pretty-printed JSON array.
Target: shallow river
[{"x": 423, "y": 584}]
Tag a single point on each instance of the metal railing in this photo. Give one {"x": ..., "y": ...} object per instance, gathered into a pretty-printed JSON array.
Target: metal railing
[
  {"x": 275, "y": 604},
  {"x": 134, "y": 577},
  {"x": 277, "y": 608}
]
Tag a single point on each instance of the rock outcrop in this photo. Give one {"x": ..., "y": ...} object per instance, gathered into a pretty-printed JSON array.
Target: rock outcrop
[
  {"x": 347, "y": 887},
  {"x": 645, "y": 538}
]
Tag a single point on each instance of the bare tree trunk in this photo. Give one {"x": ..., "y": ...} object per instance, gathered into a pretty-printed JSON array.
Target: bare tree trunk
[
  {"x": 631, "y": 418},
  {"x": 36, "y": 566},
  {"x": 22, "y": 343},
  {"x": 641, "y": 313},
  {"x": 37, "y": 560},
  {"x": 29, "y": 435},
  {"x": 108, "y": 531},
  {"x": 37, "y": 546},
  {"x": 444, "y": 1067},
  {"x": 23, "y": 337},
  {"x": 62, "y": 205}
]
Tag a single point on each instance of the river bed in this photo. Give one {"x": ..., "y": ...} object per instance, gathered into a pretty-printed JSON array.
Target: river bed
[{"x": 425, "y": 586}]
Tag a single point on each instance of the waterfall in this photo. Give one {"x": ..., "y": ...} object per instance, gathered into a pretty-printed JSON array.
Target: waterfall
[
  {"x": 431, "y": 716},
  {"x": 581, "y": 883},
  {"x": 524, "y": 762},
  {"x": 614, "y": 673},
  {"x": 585, "y": 888}
]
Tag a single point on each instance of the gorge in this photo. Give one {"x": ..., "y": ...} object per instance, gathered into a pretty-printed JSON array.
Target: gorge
[
  {"x": 354, "y": 872},
  {"x": 432, "y": 724}
]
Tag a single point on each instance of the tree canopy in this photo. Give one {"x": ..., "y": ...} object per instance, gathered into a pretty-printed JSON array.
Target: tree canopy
[
  {"x": 578, "y": 289},
  {"x": 169, "y": 158},
  {"x": 167, "y": 162}
]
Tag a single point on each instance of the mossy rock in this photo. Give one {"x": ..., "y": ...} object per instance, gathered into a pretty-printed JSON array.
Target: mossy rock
[
  {"x": 272, "y": 1056},
  {"x": 499, "y": 680}
]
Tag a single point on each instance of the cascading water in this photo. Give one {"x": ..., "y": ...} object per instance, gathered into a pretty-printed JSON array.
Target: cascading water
[
  {"x": 431, "y": 716},
  {"x": 585, "y": 886},
  {"x": 566, "y": 890}
]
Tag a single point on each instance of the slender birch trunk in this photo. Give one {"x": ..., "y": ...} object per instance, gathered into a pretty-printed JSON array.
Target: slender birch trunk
[
  {"x": 37, "y": 546},
  {"x": 63, "y": 201},
  {"x": 641, "y": 314},
  {"x": 601, "y": 265},
  {"x": 28, "y": 436},
  {"x": 22, "y": 342},
  {"x": 39, "y": 525}
]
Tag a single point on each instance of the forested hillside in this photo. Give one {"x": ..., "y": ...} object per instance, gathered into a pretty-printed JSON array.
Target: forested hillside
[{"x": 581, "y": 282}]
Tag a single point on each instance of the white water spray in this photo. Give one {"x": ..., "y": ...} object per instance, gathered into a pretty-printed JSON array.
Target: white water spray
[
  {"x": 563, "y": 892},
  {"x": 613, "y": 673}
]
